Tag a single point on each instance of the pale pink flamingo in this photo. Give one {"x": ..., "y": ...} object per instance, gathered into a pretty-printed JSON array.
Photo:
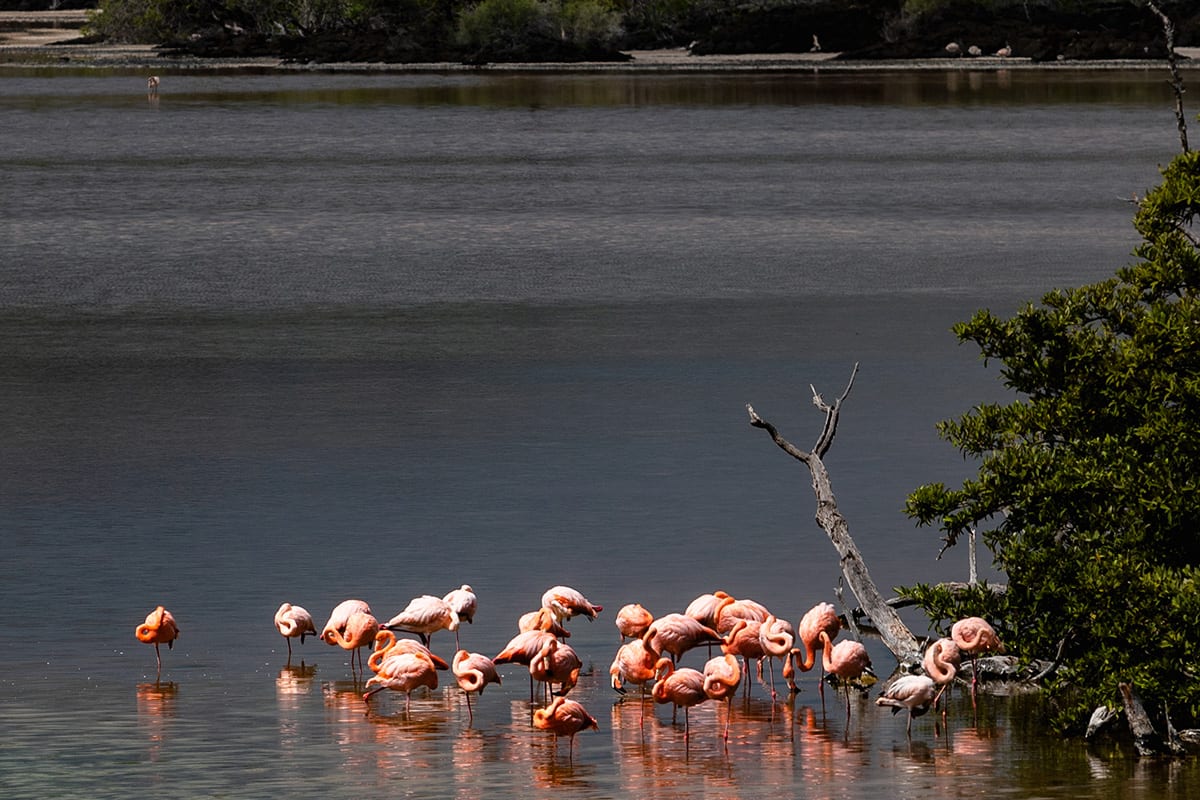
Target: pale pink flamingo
[
  {"x": 159, "y": 628},
  {"x": 336, "y": 626},
  {"x": 294, "y": 622},
  {"x": 974, "y": 635},
  {"x": 721, "y": 678},
  {"x": 676, "y": 634},
  {"x": 387, "y": 645},
  {"x": 522, "y": 648},
  {"x": 914, "y": 693},
  {"x": 355, "y": 632},
  {"x": 941, "y": 664},
  {"x": 743, "y": 640},
  {"x": 542, "y": 620},
  {"x": 821, "y": 618},
  {"x": 632, "y": 621},
  {"x": 704, "y": 609},
  {"x": 556, "y": 663},
  {"x": 424, "y": 616},
  {"x": 473, "y": 671},
  {"x": 406, "y": 673},
  {"x": 564, "y": 717},
  {"x": 682, "y": 687},
  {"x": 565, "y": 602},
  {"x": 730, "y": 610},
  {"x": 848, "y": 660},
  {"x": 778, "y": 637},
  {"x": 463, "y": 602},
  {"x": 1006, "y": 51},
  {"x": 152, "y": 85}
]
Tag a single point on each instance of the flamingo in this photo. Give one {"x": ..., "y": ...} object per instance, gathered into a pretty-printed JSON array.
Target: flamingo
[
  {"x": 914, "y": 693},
  {"x": 159, "y": 628},
  {"x": 473, "y": 671},
  {"x": 424, "y": 616},
  {"x": 522, "y": 648},
  {"x": 744, "y": 640},
  {"x": 463, "y": 602},
  {"x": 676, "y": 634},
  {"x": 564, "y": 717},
  {"x": 152, "y": 85},
  {"x": 542, "y": 620},
  {"x": 954, "y": 49},
  {"x": 731, "y": 610},
  {"x": 405, "y": 672},
  {"x": 387, "y": 645},
  {"x": 556, "y": 663},
  {"x": 721, "y": 678},
  {"x": 682, "y": 687},
  {"x": 821, "y": 618},
  {"x": 292, "y": 621},
  {"x": 632, "y": 621},
  {"x": 1006, "y": 51},
  {"x": 974, "y": 50},
  {"x": 357, "y": 631},
  {"x": 565, "y": 602},
  {"x": 974, "y": 635},
  {"x": 847, "y": 660},
  {"x": 777, "y": 638},
  {"x": 941, "y": 663},
  {"x": 633, "y": 664},
  {"x": 704, "y": 609},
  {"x": 336, "y": 626}
]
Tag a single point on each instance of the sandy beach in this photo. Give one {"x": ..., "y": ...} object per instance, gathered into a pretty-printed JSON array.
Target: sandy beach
[{"x": 38, "y": 39}]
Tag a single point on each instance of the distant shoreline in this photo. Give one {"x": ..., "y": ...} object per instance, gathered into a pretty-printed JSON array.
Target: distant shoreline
[{"x": 35, "y": 39}]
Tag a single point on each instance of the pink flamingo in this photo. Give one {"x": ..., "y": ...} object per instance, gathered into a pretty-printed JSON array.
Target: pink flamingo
[
  {"x": 676, "y": 634},
  {"x": 387, "y": 645},
  {"x": 424, "y": 616},
  {"x": 159, "y": 628},
  {"x": 564, "y": 717},
  {"x": 473, "y": 671},
  {"x": 821, "y": 618},
  {"x": 682, "y": 687},
  {"x": 721, "y": 678},
  {"x": 777, "y": 638},
  {"x": 152, "y": 85},
  {"x": 632, "y": 621},
  {"x": 743, "y": 640},
  {"x": 730, "y": 610},
  {"x": 565, "y": 602},
  {"x": 974, "y": 635},
  {"x": 556, "y": 663},
  {"x": 542, "y": 620},
  {"x": 522, "y": 648},
  {"x": 633, "y": 663},
  {"x": 292, "y": 622},
  {"x": 704, "y": 609},
  {"x": 848, "y": 660},
  {"x": 405, "y": 672},
  {"x": 356, "y": 632},
  {"x": 336, "y": 626},
  {"x": 941, "y": 664}
]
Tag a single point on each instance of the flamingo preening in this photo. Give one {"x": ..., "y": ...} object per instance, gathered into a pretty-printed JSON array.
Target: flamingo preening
[
  {"x": 294, "y": 622},
  {"x": 406, "y": 673},
  {"x": 473, "y": 672},
  {"x": 564, "y": 717}
]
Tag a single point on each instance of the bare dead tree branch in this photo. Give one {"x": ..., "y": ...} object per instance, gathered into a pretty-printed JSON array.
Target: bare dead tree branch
[
  {"x": 1173, "y": 66},
  {"x": 892, "y": 630}
]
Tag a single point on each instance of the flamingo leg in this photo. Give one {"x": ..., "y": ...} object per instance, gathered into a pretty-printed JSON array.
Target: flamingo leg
[
  {"x": 158, "y": 657},
  {"x": 470, "y": 713},
  {"x": 289, "y": 644}
]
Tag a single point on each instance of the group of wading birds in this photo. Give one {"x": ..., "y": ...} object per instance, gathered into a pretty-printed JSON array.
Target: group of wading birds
[{"x": 648, "y": 656}]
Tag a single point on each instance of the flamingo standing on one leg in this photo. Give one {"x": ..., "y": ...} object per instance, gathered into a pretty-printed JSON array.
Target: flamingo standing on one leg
[
  {"x": 974, "y": 635},
  {"x": 159, "y": 628},
  {"x": 682, "y": 687},
  {"x": 473, "y": 672},
  {"x": 334, "y": 632},
  {"x": 941, "y": 664},
  {"x": 847, "y": 660},
  {"x": 721, "y": 678},
  {"x": 914, "y": 693},
  {"x": 292, "y": 622},
  {"x": 406, "y": 673},
  {"x": 565, "y": 602},
  {"x": 463, "y": 602},
  {"x": 356, "y": 632},
  {"x": 564, "y": 717}
]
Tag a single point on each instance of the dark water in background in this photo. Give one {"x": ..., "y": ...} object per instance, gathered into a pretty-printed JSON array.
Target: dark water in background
[{"x": 308, "y": 337}]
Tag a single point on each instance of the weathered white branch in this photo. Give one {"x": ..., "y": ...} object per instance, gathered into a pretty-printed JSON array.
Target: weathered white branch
[{"x": 892, "y": 630}]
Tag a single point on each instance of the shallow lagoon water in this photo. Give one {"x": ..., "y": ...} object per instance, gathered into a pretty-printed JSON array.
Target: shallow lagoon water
[{"x": 308, "y": 337}]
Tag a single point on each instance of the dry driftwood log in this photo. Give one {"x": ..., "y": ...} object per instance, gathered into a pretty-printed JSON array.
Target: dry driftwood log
[{"x": 892, "y": 630}]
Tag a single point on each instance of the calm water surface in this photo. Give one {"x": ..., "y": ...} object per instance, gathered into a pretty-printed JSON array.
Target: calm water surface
[{"x": 310, "y": 337}]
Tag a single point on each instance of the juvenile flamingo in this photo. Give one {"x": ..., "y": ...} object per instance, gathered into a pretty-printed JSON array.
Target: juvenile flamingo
[
  {"x": 294, "y": 621},
  {"x": 632, "y": 621},
  {"x": 406, "y": 673},
  {"x": 914, "y": 693},
  {"x": 565, "y": 602},
  {"x": 721, "y": 678},
  {"x": 159, "y": 628},
  {"x": 473, "y": 672},
  {"x": 424, "y": 616},
  {"x": 682, "y": 687},
  {"x": 564, "y": 717},
  {"x": 848, "y": 660}
]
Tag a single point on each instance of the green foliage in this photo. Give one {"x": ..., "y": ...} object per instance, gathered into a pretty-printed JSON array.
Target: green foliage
[
  {"x": 149, "y": 21},
  {"x": 1088, "y": 489},
  {"x": 504, "y": 25},
  {"x": 536, "y": 29}
]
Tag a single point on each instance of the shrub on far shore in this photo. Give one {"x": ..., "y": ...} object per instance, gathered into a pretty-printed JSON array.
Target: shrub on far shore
[{"x": 537, "y": 30}]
